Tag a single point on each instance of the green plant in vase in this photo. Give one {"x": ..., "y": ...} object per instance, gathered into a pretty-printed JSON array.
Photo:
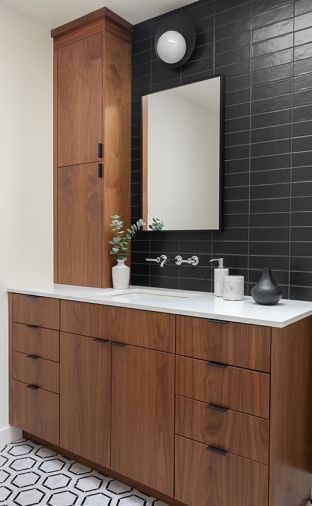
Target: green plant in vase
[{"x": 120, "y": 244}]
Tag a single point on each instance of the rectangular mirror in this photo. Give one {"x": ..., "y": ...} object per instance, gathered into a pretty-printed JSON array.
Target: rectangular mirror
[{"x": 182, "y": 156}]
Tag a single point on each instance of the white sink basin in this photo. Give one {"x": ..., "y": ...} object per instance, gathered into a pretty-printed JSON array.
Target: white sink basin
[{"x": 139, "y": 293}]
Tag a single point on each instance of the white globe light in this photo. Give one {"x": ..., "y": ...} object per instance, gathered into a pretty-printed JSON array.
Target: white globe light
[{"x": 171, "y": 47}]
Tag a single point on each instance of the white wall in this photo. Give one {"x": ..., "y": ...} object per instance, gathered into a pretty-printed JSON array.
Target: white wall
[{"x": 25, "y": 168}]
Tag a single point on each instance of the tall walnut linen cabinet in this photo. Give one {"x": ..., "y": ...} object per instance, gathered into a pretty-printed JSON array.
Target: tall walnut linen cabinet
[{"x": 92, "y": 116}]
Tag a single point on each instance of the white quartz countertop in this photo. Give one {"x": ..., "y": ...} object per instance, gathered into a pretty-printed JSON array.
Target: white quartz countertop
[{"x": 198, "y": 304}]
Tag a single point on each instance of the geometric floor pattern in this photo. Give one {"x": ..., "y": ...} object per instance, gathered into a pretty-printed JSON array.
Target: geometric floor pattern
[{"x": 31, "y": 474}]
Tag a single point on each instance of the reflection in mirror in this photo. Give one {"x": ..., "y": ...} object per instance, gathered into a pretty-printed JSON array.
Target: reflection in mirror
[{"x": 181, "y": 156}]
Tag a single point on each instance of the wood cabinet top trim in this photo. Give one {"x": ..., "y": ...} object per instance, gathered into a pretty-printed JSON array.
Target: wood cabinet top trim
[{"x": 104, "y": 12}]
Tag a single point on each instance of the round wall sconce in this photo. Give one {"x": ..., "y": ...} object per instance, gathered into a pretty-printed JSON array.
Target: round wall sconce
[{"x": 175, "y": 40}]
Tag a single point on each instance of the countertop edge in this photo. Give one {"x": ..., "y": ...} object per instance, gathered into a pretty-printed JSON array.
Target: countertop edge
[{"x": 155, "y": 309}]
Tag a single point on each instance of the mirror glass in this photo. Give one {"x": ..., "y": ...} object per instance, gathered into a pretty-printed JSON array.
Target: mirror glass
[{"x": 181, "y": 156}]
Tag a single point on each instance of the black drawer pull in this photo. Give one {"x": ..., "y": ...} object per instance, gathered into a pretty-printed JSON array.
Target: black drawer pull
[
  {"x": 100, "y": 170},
  {"x": 34, "y": 357},
  {"x": 219, "y": 365},
  {"x": 215, "y": 407},
  {"x": 117, "y": 343},
  {"x": 219, "y": 451},
  {"x": 221, "y": 322},
  {"x": 102, "y": 341},
  {"x": 100, "y": 150},
  {"x": 33, "y": 387},
  {"x": 33, "y": 326}
]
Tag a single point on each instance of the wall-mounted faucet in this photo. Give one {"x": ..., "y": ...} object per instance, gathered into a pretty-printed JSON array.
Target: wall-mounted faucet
[
  {"x": 158, "y": 260},
  {"x": 194, "y": 260}
]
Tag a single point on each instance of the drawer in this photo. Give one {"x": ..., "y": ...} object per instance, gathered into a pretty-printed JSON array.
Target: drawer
[
  {"x": 44, "y": 343},
  {"x": 36, "y": 411},
  {"x": 230, "y": 387},
  {"x": 235, "y": 344},
  {"x": 37, "y": 371},
  {"x": 39, "y": 311},
  {"x": 205, "y": 478},
  {"x": 140, "y": 328},
  {"x": 244, "y": 435}
]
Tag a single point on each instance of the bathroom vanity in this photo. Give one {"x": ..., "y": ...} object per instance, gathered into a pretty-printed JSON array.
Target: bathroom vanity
[{"x": 193, "y": 399}]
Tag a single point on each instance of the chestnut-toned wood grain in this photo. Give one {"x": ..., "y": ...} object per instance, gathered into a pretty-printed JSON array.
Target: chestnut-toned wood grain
[
  {"x": 101, "y": 13},
  {"x": 131, "y": 326},
  {"x": 85, "y": 397},
  {"x": 145, "y": 160},
  {"x": 84, "y": 319},
  {"x": 203, "y": 478},
  {"x": 236, "y": 344},
  {"x": 40, "y": 311},
  {"x": 79, "y": 225},
  {"x": 143, "y": 416},
  {"x": 36, "y": 411},
  {"x": 44, "y": 343},
  {"x": 291, "y": 415},
  {"x": 36, "y": 371},
  {"x": 10, "y": 354},
  {"x": 239, "y": 389},
  {"x": 141, "y": 328},
  {"x": 79, "y": 101},
  {"x": 117, "y": 140},
  {"x": 244, "y": 435}
]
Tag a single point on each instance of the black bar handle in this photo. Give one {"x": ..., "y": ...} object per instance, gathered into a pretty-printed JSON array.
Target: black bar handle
[
  {"x": 215, "y": 407},
  {"x": 219, "y": 365},
  {"x": 102, "y": 341},
  {"x": 219, "y": 451},
  {"x": 221, "y": 322},
  {"x": 33, "y": 387},
  {"x": 100, "y": 170},
  {"x": 118, "y": 343},
  {"x": 34, "y": 357},
  {"x": 33, "y": 326},
  {"x": 100, "y": 150}
]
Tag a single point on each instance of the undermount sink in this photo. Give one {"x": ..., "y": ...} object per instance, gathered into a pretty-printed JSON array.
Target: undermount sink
[{"x": 136, "y": 293}]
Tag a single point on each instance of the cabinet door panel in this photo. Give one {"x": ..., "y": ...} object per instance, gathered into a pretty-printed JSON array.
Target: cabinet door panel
[
  {"x": 143, "y": 416},
  {"x": 85, "y": 403},
  {"x": 79, "y": 225},
  {"x": 79, "y": 100}
]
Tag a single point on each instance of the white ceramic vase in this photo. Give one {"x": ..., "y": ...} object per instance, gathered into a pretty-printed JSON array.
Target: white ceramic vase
[{"x": 121, "y": 275}]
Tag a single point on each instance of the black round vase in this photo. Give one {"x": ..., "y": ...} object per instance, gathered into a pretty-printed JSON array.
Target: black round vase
[{"x": 266, "y": 292}]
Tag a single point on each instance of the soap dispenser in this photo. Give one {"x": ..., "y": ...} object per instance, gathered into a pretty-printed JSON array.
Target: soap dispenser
[{"x": 219, "y": 274}]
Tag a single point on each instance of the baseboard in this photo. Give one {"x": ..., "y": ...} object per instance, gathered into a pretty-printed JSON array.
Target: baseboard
[{"x": 9, "y": 434}]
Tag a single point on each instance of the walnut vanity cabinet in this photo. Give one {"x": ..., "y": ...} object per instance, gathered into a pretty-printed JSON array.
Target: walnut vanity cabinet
[
  {"x": 92, "y": 97},
  {"x": 196, "y": 412}
]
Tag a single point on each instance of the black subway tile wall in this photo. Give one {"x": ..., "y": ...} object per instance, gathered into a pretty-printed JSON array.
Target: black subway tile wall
[{"x": 263, "y": 48}]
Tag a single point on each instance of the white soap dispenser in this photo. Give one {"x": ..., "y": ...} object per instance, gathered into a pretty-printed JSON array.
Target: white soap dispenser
[{"x": 219, "y": 274}]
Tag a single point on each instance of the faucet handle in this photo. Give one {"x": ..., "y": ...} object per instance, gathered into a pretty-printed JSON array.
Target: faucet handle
[
  {"x": 158, "y": 260},
  {"x": 194, "y": 260}
]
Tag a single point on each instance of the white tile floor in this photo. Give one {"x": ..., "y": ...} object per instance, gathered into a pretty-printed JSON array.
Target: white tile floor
[{"x": 31, "y": 474}]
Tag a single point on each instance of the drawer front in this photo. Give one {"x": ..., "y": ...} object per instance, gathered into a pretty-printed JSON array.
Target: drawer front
[
  {"x": 235, "y": 344},
  {"x": 204, "y": 478},
  {"x": 36, "y": 371},
  {"x": 244, "y": 435},
  {"x": 44, "y": 343},
  {"x": 39, "y": 311},
  {"x": 140, "y": 328},
  {"x": 230, "y": 387},
  {"x": 36, "y": 411}
]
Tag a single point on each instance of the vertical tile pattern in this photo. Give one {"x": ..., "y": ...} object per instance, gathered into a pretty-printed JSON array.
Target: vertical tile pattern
[{"x": 263, "y": 48}]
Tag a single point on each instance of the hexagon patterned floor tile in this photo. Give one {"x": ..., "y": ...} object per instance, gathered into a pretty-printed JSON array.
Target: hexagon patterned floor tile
[{"x": 31, "y": 474}]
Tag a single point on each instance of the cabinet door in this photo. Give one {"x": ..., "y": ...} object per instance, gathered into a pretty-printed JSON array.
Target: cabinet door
[
  {"x": 143, "y": 416},
  {"x": 79, "y": 219},
  {"x": 79, "y": 100},
  {"x": 85, "y": 397}
]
